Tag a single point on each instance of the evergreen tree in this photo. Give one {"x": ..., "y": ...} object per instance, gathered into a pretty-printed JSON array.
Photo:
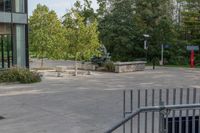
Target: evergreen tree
[
  {"x": 188, "y": 29},
  {"x": 156, "y": 19},
  {"x": 191, "y": 22},
  {"x": 117, "y": 30}
]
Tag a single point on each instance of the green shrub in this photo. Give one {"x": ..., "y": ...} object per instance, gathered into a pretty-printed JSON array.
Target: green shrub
[
  {"x": 109, "y": 66},
  {"x": 19, "y": 75}
]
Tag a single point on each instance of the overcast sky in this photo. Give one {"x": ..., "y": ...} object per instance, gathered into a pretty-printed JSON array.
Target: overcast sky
[{"x": 60, "y": 6}]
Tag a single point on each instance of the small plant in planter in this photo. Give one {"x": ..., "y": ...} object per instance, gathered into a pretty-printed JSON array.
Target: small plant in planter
[
  {"x": 19, "y": 75},
  {"x": 109, "y": 66}
]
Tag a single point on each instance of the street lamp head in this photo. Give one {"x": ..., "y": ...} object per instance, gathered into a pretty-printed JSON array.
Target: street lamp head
[{"x": 146, "y": 35}]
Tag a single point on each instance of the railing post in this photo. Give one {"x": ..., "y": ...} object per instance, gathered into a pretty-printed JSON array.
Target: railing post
[
  {"x": 124, "y": 109},
  {"x": 161, "y": 118},
  {"x": 162, "y": 126}
]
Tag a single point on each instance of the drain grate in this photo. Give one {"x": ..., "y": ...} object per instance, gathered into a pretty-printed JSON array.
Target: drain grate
[{"x": 1, "y": 118}]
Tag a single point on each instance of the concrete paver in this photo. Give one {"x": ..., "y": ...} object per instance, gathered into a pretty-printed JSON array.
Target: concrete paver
[{"x": 88, "y": 104}]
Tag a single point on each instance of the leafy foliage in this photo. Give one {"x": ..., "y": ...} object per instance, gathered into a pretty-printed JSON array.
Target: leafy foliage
[
  {"x": 19, "y": 75},
  {"x": 46, "y": 33},
  {"x": 75, "y": 37},
  {"x": 83, "y": 38},
  {"x": 117, "y": 30},
  {"x": 120, "y": 26},
  {"x": 109, "y": 66}
]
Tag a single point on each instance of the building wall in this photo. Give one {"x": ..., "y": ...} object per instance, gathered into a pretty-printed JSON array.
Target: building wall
[{"x": 13, "y": 23}]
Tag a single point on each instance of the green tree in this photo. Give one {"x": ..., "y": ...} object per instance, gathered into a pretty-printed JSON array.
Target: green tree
[
  {"x": 83, "y": 37},
  {"x": 103, "y": 8},
  {"x": 117, "y": 29},
  {"x": 188, "y": 31},
  {"x": 155, "y": 16},
  {"x": 123, "y": 23},
  {"x": 85, "y": 10},
  {"x": 46, "y": 33},
  {"x": 190, "y": 22}
]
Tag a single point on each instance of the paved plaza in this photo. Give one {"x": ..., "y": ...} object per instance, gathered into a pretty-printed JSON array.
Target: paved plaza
[{"x": 83, "y": 104}]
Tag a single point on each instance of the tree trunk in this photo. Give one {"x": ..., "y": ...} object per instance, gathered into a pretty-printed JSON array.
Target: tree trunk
[
  {"x": 76, "y": 67},
  {"x": 42, "y": 60}
]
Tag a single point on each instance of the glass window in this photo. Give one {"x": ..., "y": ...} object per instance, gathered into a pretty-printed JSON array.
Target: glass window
[
  {"x": 19, "y": 6},
  {"x": 1, "y": 5},
  {"x": 8, "y": 5},
  {"x": 5, "y": 29},
  {"x": 5, "y": 5},
  {"x": 5, "y": 46}
]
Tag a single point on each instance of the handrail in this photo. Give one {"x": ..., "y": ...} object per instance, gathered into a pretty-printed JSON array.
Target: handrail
[{"x": 153, "y": 109}]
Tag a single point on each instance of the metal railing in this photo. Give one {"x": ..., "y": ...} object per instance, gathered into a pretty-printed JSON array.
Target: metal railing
[{"x": 160, "y": 111}]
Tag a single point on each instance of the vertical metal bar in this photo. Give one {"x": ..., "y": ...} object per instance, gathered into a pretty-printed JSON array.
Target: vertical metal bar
[
  {"x": 8, "y": 51},
  {"x": 160, "y": 97},
  {"x": 27, "y": 36},
  {"x": 193, "y": 115},
  {"x": 124, "y": 108},
  {"x": 131, "y": 106},
  {"x": 173, "y": 115},
  {"x": 2, "y": 50},
  {"x": 139, "y": 113},
  {"x": 162, "y": 122},
  {"x": 160, "y": 114},
  {"x": 153, "y": 101},
  {"x": 146, "y": 98},
  {"x": 187, "y": 111},
  {"x": 199, "y": 113},
  {"x": 12, "y": 31},
  {"x": 167, "y": 103},
  {"x": 199, "y": 122},
  {"x": 180, "y": 112},
  {"x": 124, "y": 103}
]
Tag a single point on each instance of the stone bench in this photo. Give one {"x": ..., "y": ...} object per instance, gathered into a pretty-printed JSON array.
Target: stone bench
[{"x": 121, "y": 67}]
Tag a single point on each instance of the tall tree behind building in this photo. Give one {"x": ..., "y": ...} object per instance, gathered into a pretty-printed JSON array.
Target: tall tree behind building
[
  {"x": 125, "y": 22},
  {"x": 117, "y": 30}
]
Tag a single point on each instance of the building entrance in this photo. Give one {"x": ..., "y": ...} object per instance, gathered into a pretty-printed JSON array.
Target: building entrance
[{"x": 5, "y": 51}]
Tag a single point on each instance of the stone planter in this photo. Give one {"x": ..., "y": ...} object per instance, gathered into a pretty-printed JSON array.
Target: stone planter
[
  {"x": 87, "y": 66},
  {"x": 121, "y": 67}
]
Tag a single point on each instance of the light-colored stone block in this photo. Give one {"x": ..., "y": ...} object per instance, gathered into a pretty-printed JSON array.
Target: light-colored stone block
[
  {"x": 60, "y": 68},
  {"x": 87, "y": 66},
  {"x": 121, "y": 67}
]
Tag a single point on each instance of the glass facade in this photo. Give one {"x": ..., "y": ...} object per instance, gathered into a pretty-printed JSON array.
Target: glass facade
[
  {"x": 5, "y": 5},
  {"x": 5, "y": 46},
  {"x": 13, "y": 34},
  {"x": 19, "y": 6},
  {"x": 5, "y": 29}
]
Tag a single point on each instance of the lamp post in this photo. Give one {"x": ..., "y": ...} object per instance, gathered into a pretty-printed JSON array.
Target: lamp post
[
  {"x": 162, "y": 55},
  {"x": 146, "y": 36},
  {"x": 76, "y": 54}
]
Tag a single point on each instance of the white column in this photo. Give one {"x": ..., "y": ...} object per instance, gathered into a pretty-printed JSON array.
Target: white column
[
  {"x": 19, "y": 6},
  {"x": 20, "y": 45}
]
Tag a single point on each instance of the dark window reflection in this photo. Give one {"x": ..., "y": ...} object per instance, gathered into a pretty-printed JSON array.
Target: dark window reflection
[{"x": 5, "y": 5}]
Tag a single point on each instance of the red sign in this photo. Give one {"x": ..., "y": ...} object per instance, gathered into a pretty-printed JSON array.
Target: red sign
[{"x": 192, "y": 59}]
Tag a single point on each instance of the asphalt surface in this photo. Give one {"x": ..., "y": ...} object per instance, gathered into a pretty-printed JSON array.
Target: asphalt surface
[{"x": 83, "y": 104}]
